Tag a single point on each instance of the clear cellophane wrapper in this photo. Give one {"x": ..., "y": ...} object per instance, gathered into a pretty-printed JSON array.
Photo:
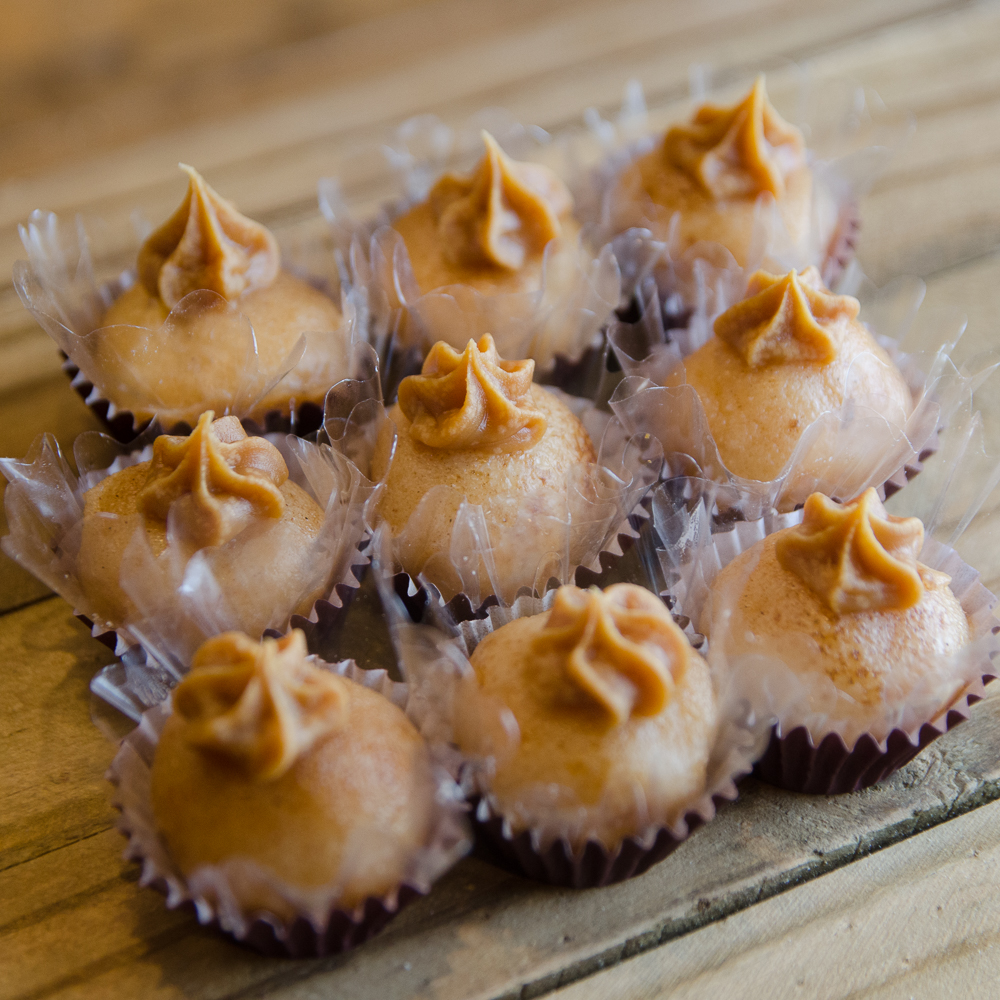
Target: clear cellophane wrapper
[
  {"x": 559, "y": 325},
  {"x": 850, "y": 139},
  {"x": 62, "y": 286},
  {"x": 865, "y": 442},
  {"x": 556, "y": 842},
  {"x": 301, "y": 923},
  {"x": 178, "y": 600},
  {"x": 545, "y": 535},
  {"x": 822, "y": 740}
]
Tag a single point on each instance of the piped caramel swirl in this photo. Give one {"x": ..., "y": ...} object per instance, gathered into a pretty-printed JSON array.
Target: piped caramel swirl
[
  {"x": 737, "y": 151},
  {"x": 207, "y": 244},
  {"x": 501, "y": 214},
  {"x": 472, "y": 399},
  {"x": 259, "y": 705},
  {"x": 219, "y": 478},
  {"x": 621, "y": 647},
  {"x": 785, "y": 318},
  {"x": 857, "y": 557}
]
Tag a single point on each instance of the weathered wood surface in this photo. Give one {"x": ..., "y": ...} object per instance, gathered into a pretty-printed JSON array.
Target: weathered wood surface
[
  {"x": 74, "y": 923},
  {"x": 289, "y": 108}
]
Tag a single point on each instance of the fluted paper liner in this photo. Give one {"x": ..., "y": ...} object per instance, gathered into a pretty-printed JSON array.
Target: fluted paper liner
[
  {"x": 601, "y": 498},
  {"x": 179, "y": 605},
  {"x": 861, "y": 146},
  {"x": 812, "y": 748},
  {"x": 320, "y": 927},
  {"x": 843, "y": 451},
  {"x": 59, "y": 285},
  {"x": 559, "y": 325},
  {"x": 435, "y": 658}
]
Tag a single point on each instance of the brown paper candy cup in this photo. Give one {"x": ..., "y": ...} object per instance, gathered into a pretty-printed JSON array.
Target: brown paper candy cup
[
  {"x": 843, "y": 243},
  {"x": 300, "y": 937},
  {"x": 795, "y": 763},
  {"x": 594, "y": 866}
]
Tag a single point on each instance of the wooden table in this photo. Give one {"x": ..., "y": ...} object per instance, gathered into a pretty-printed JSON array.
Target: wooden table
[{"x": 891, "y": 892}]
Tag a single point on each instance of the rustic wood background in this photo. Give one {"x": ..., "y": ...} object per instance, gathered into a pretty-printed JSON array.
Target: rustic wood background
[{"x": 887, "y": 893}]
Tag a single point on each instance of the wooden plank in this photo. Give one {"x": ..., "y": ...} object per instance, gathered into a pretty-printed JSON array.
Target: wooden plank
[
  {"x": 598, "y": 45},
  {"x": 88, "y": 931},
  {"x": 50, "y": 406},
  {"x": 917, "y": 920},
  {"x": 961, "y": 217},
  {"x": 51, "y": 788}
]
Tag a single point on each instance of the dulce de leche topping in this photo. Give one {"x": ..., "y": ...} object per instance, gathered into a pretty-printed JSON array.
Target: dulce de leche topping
[
  {"x": 621, "y": 647},
  {"x": 501, "y": 214},
  {"x": 259, "y": 705},
  {"x": 472, "y": 400},
  {"x": 737, "y": 151},
  {"x": 222, "y": 478},
  {"x": 857, "y": 557},
  {"x": 206, "y": 244},
  {"x": 785, "y": 318}
]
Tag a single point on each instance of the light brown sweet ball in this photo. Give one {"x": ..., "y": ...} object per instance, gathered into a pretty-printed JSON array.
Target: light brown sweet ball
[
  {"x": 489, "y": 230},
  {"x": 477, "y": 423},
  {"x": 206, "y": 245},
  {"x": 703, "y": 182},
  {"x": 315, "y": 779},
  {"x": 848, "y": 581},
  {"x": 215, "y": 484},
  {"x": 786, "y": 354},
  {"x": 611, "y": 704}
]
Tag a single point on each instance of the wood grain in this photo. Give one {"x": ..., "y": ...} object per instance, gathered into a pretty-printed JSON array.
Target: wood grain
[
  {"x": 917, "y": 920},
  {"x": 776, "y": 897},
  {"x": 86, "y": 929}
]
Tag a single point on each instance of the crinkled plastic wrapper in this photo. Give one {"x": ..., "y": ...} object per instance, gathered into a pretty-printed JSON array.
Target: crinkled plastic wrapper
[
  {"x": 559, "y": 325},
  {"x": 299, "y": 923},
  {"x": 119, "y": 370},
  {"x": 851, "y": 140},
  {"x": 546, "y": 535},
  {"x": 823, "y": 740},
  {"x": 842, "y": 452},
  {"x": 555, "y": 841},
  {"x": 178, "y": 602}
]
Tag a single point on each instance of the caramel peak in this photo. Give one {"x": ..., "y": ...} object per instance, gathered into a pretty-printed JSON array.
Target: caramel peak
[
  {"x": 259, "y": 705},
  {"x": 621, "y": 647},
  {"x": 221, "y": 477},
  {"x": 785, "y": 318},
  {"x": 737, "y": 151},
  {"x": 500, "y": 214},
  {"x": 207, "y": 244},
  {"x": 857, "y": 557},
  {"x": 472, "y": 400}
]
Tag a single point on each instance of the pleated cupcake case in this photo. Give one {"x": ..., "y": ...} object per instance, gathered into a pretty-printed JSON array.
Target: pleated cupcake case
[
  {"x": 843, "y": 451},
  {"x": 435, "y": 658},
  {"x": 313, "y": 923},
  {"x": 560, "y": 325},
  {"x": 64, "y": 284},
  {"x": 179, "y": 603},
  {"x": 813, "y": 748},
  {"x": 602, "y": 511},
  {"x": 850, "y": 140}
]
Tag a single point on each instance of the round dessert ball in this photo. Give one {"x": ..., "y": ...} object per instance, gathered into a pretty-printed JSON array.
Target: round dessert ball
[
  {"x": 352, "y": 808},
  {"x": 874, "y": 656},
  {"x": 757, "y": 411},
  {"x": 254, "y": 568},
  {"x": 210, "y": 269},
  {"x": 715, "y": 177},
  {"x": 559, "y": 735},
  {"x": 521, "y": 486},
  {"x": 489, "y": 230}
]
